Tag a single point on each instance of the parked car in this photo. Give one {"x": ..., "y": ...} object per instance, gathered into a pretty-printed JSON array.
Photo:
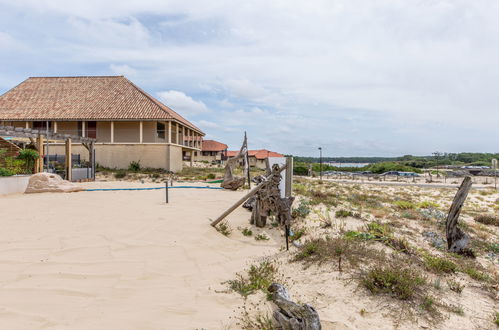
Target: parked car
[
  {"x": 390, "y": 173},
  {"x": 409, "y": 174}
]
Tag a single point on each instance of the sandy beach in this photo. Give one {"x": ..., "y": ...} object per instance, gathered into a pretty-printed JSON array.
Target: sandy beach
[{"x": 120, "y": 259}]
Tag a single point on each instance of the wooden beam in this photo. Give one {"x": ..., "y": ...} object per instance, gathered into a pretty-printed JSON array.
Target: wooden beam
[
  {"x": 69, "y": 161},
  {"x": 112, "y": 132},
  {"x": 169, "y": 132}
]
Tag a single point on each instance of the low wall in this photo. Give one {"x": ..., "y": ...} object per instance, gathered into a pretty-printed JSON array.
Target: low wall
[{"x": 13, "y": 184}]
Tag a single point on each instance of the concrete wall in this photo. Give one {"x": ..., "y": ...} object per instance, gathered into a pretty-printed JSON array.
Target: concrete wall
[
  {"x": 67, "y": 127},
  {"x": 126, "y": 131},
  {"x": 13, "y": 184},
  {"x": 175, "y": 161},
  {"x": 103, "y": 131}
]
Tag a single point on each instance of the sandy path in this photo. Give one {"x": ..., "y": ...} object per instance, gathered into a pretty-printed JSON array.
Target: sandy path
[{"x": 119, "y": 260}]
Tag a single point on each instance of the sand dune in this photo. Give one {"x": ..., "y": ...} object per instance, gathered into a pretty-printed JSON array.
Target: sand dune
[{"x": 119, "y": 260}]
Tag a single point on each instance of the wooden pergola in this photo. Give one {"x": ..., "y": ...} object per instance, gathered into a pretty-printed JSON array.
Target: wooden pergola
[{"x": 38, "y": 137}]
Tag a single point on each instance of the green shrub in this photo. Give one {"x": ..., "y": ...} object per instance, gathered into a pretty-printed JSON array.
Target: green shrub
[
  {"x": 343, "y": 213},
  {"x": 5, "y": 172},
  {"x": 261, "y": 237},
  {"x": 439, "y": 265},
  {"x": 302, "y": 211},
  {"x": 258, "y": 277},
  {"x": 211, "y": 176},
  {"x": 404, "y": 205},
  {"x": 428, "y": 205},
  {"x": 134, "y": 166},
  {"x": 322, "y": 250},
  {"x": 120, "y": 174},
  {"x": 394, "y": 280},
  {"x": 29, "y": 156},
  {"x": 224, "y": 228},
  {"x": 247, "y": 232}
]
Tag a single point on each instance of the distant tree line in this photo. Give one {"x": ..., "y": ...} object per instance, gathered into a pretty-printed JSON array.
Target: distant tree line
[
  {"x": 437, "y": 158},
  {"x": 407, "y": 163}
]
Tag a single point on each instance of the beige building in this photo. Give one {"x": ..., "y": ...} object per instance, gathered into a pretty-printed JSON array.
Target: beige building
[
  {"x": 212, "y": 151},
  {"x": 257, "y": 158},
  {"x": 128, "y": 124}
]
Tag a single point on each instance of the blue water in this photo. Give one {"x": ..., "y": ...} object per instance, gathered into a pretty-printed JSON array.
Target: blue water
[{"x": 348, "y": 164}]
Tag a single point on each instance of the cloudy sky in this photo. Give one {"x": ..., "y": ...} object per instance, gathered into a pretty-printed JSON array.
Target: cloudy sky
[{"x": 356, "y": 77}]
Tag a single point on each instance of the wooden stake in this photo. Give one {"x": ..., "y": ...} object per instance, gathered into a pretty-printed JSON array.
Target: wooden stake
[{"x": 457, "y": 240}]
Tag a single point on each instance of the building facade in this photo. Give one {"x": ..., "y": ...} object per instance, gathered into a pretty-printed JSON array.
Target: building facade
[
  {"x": 212, "y": 151},
  {"x": 128, "y": 124}
]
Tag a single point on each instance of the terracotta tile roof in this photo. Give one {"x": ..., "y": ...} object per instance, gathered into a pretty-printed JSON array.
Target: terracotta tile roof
[
  {"x": 258, "y": 154},
  {"x": 212, "y": 145},
  {"x": 83, "y": 98}
]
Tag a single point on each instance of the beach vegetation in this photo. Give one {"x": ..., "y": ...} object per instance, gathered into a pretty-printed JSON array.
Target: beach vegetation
[
  {"x": 258, "y": 277},
  {"x": 488, "y": 219},
  {"x": 261, "y": 237},
  {"x": 224, "y": 228},
  {"x": 247, "y": 232},
  {"x": 396, "y": 280}
]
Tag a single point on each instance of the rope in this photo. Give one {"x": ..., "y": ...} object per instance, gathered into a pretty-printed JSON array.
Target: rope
[{"x": 156, "y": 188}]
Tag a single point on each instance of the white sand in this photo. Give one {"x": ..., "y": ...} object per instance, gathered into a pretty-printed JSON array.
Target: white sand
[{"x": 120, "y": 260}]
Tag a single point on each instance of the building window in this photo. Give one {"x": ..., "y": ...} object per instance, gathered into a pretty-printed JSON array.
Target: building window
[
  {"x": 80, "y": 128},
  {"x": 92, "y": 129},
  {"x": 42, "y": 125},
  {"x": 160, "y": 130}
]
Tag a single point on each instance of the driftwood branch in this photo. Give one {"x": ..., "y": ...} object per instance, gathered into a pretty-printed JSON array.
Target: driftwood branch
[
  {"x": 243, "y": 199},
  {"x": 290, "y": 315},
  {"x": 457, "y": 240}
]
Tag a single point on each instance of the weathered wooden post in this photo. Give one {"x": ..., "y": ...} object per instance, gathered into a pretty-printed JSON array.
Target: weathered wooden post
[
  {"x": 69, "y": 161},
  {"x": 457, "y": 240},
  {"x": 291, "y": 316}
]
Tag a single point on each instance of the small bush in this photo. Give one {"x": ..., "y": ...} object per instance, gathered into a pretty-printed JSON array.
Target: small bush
[
  {"x": 120, "y": 174},
  {"x": 247, "y": 232},
  {"x": 343, "y": 213},
  {"x": 475, "y": 274},
  {"x": 455, "y": 286},
  {"x": 496, "y": 318},
  {"x": 297, "y": 234},
  {"x": 224, "y": 228},
  {"x": 302, "y": 211},
  {"x": 261, "y": 237},
  {"x": 401, "y": 283},
  {"x": 340, "y": 249},
  {"x": 5, "y": 172},
  {"x": 134, "y": 166},
  {"x": 404, "y": 205},
  {"x": 428, "y": 205},
  {"x": 29, "y": 156},
  {"x": 428, "y": 304},
  {"x": 439, "y": 265},
  {"x": 211, "y": 176},
  {"x": 258, "y": 277},
  {"x": 488, "y": 219},
  {"x": 378, "y": 230}
]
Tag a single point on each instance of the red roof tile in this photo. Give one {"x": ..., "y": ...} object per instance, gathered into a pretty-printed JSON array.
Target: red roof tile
[
  {"x": 83, "y": 98},
  {"x": 212, "y": 145},
  {"x": 258, "y": 154}
]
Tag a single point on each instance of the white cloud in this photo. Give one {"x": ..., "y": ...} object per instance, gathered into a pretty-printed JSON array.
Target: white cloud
[
  {"x": 123, "y": 69},
  {"x": 411, "y": 65},
  {"x": 182, "y": 103}
]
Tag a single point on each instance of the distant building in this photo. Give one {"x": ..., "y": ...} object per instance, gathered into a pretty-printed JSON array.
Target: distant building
[
  {"x": 257, "y": 158},
  {"x": 212, "y": 151},
  {"x": 129, "y": 124}
]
